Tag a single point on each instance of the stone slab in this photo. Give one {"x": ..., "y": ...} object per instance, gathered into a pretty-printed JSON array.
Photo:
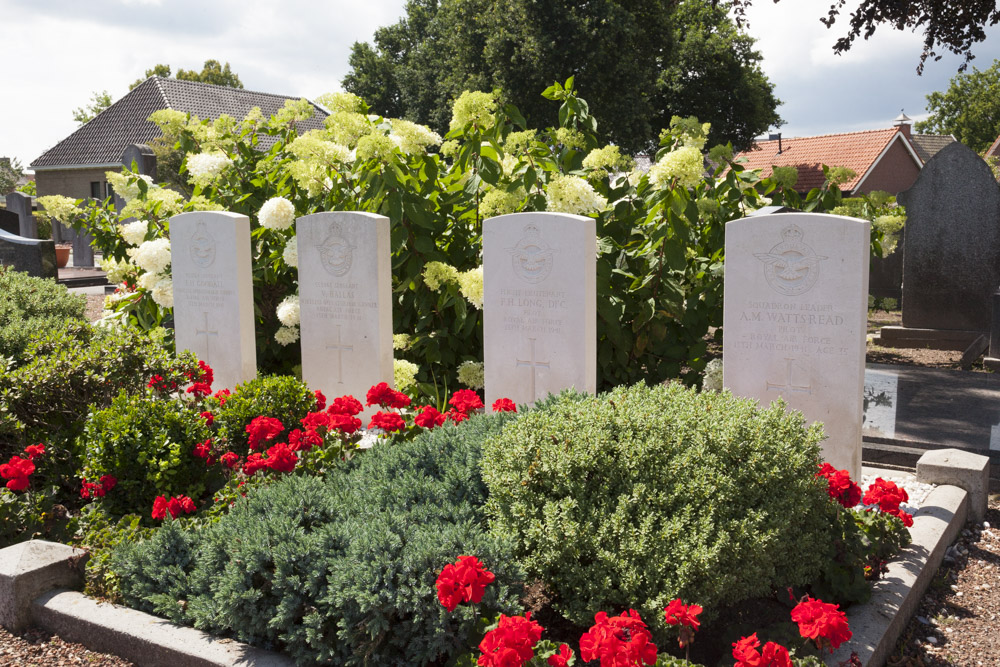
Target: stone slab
[
  {"x": 540, "y": 305},
  {"x": 345, "y": 301},
  {"x": 795, "y": 317},
  {"x": 33, "y": 256},
  {"x": 951, "y": 262},
  {"x": 213, "y": 293},
  {"x": 144, "y": 639},
  {"x": 21, "y": 205},
  {"x": 31, "y": 568},
  {"x": 877, "y": 625},
  {"x": 962, "y": 469},
  {"x": 973, "y": 352},
  {"x": 933, "y": 339}
]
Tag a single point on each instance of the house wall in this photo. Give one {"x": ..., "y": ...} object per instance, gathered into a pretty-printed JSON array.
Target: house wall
[
  {"x": 73, "y": 183},
  {"x": 895, "y": 172}
]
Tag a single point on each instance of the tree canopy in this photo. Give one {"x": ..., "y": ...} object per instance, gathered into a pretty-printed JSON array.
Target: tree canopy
[
  {"x": 99, "y": 101},
  {"x": 637, "y": 63},
  {"x": 952, "y": 25},
  {"x": 969, "y": 109},
  {"x": 212, "y": 72}
]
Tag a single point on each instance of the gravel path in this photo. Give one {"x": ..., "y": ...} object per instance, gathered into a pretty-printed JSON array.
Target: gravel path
[{"x": 37, "y": 648}]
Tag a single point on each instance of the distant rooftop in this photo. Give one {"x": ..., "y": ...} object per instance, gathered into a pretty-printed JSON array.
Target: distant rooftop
[
  {"x": 101, "y": 142},
  {"x": 927, "y": 145}
]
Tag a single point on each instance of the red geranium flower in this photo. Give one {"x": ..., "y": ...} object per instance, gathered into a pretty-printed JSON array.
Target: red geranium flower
[
  {"x": 622, "y": 640},
  {"x": 160, "y": 508},
  {"x": 263, "y": 429},
  {"x": 204, "y": 375},
  {"x": 179, "y": 505},
  {"x": 560, "y": 659},
  {"x": 384, "y": 395},
  {"x": 230, "y": 459},
  {"x": 387, "y": 421},
  {"x": 108, "y": 482},
  {"x": 345, "y": 405},
  {"x": 157, "y": 383},
  {"x": 315, "y": 420},
  {"x": 822, "y": 622},
  {"x": 463, "y": 581},
  {"x": 17, "y": 471},
  {"x": 254, "y": 463},
  {"x": 281, "y": 458},
  {"x": 34, "y": 450},
  {"x": 208, "y": 417},
  {"x": 773, "y": 655},
  {"x": 429, "y": 417},
  {"x": 465, "y": 400},
  {"x": 686, "y": 616},
  {"x": 203, "y": 450},
  {"x": 346, "y": 424},
  {"x": 888, "y": 497},
  {"x": 504, "y": 405},
  {"x": 221, "y": 395},
  {"x": 320, "y": 400},
  {"x": 512, "y": 643},
  {"x": 200, "y": 389},
  {"x": 840, "y": 488},
  {"x": 456, "y": 416}
]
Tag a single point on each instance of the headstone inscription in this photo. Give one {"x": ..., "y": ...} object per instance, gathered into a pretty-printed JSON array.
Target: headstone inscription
[
  {"x": 795, "y": 319},
  {"x": 345, "y": 301},
  {"x": 951, "y": 261},
  {"x": 213, "y": 292},
  {"x": 539, "y": 305},
  {"x": 33, "y": 256}
]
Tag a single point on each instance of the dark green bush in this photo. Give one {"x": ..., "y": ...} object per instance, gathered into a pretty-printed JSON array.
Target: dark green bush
[
  {"x": 148, "y": 445},
  {"x": 644, "y": 494},
  {"x": 29, "y": 306},
  {"x": 279, "y": 396},
  {"x": 63, "y": 374},
  {"x": 338, "y": 570}
]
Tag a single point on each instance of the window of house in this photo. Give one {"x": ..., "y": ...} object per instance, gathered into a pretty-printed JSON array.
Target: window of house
[{"x": 95, "y": 189}]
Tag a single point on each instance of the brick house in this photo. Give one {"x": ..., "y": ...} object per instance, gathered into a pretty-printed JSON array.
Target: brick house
[
  {"x": 75, "y": 166},
  {"x": 889, "y": 159}
]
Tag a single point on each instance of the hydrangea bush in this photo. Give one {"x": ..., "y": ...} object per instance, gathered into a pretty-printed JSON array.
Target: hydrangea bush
[{"x": 660, "y": 251}]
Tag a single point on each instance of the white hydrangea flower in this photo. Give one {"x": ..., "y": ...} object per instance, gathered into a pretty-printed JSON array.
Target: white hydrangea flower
[
  {"x": 163, "y": 292},
  {"x": 286, "y": 335},
  {"x": 152, "y": 256},
  {"x": 288, "y": 310},
  {"x": 123, "y": 188},
  {"x": 473, "y": 107},
  {"x": 686, "y": 164},
  {"x": 572, "y": 194},
  {"x": 291, "y": 252},
  {"x": 404, "y": 373},
  {"x": 147, "y": 281},
  {"x": 134, "y": 233},
  {"x": 63, "y": 209},
  {"x": 414, "y": 139},
  {"x": 439, "y": 273},
  {"x": 472, "y": 374},
  {"x": 400, "y": 341},
  {"x": 471, "y": 284},
  {"x": 116, "y": 270},
  {"x": 348, "y": 102},
  {"x": 277, "y": 213},
  {"x": 203, "y": 168}
]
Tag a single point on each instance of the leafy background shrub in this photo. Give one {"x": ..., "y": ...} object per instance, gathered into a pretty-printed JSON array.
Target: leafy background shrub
[
  {"x": 30, "y": 306},
  {"x": 281, "y": 397},
  {"x": 339, "y": 569},
  {"x": 643, "y": 494},
  {"x": 148, "y": 446}
]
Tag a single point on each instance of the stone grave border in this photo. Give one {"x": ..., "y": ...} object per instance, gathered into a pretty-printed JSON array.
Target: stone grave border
[{"x": 36, "y": 579}]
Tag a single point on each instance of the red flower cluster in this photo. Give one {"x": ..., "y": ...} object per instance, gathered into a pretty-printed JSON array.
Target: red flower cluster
[
  {"x": 504, "y": 405},
  {"x": 618, "y": 641},
  {"x": 686, "y": 616},
  {"x": 320, "y": 400},
  {"x": 229, "y": 459},
  {"x": 841, "y": 488},
  {"x": 221, "y": 396},
  {"x": 254, "y": 462},
  {"x": 429, "y": 417},
  {"x": 822, "y": 622},
  {"x": 512, "y": 643},
  {"x": 262, "y": 429},
  {"x": 888, "y": 497},
  {"x": 345, "y": 405},
  {"x": 34, "y": 450},
  {"x": 465, "y": 580},
  {"x": 92, "y": 490},
  {"x": 203, "y": 450},
  {"x": 390, "y": 422},
  {"x": 157, "y": 383},
  {"x": 384, "y": 395},
  {"x": 202, "y": 380},
  {"x": 208, "y": 417},
  {"x": 17, "y": 471},
  {"x": 281, "y": 458},
  {"x": 465, "y": 401},
  {"x": 176, "y": 506},
  {"x": 773, "y": 655},
  {"x": 560, "y": 659}
]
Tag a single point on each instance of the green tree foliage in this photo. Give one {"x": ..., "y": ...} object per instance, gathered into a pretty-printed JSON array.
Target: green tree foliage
[
  {"x": 99, "y": 101},
  {"x": 10, "y": 172},
  {"x": 969, "y": 109},
  {"x": 638, "y": 64},
  {"x": 212, "y": 72}
]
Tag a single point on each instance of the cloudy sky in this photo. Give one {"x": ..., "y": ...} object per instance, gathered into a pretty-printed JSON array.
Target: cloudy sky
[{"x": 57, "y": 53}]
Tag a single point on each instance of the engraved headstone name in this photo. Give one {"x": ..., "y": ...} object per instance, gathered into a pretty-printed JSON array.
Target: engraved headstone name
[
  {"x": 213, "y": 293},
  {"x": 795, "y": 319},
  {"x": 539, "y": 312}
]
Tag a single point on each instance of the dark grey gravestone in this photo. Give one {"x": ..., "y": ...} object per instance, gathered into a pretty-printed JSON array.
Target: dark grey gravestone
[
  {"x": 33, "y": 256},
  {"x": 10, "y": 222},
  {"x": 951, "y": 260},
  {"x": 20, "y": 204},
  {"x": 145, "y": 163}
]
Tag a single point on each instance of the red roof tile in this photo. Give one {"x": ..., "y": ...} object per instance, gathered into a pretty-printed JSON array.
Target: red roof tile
[{"x": 856, "y": 150}]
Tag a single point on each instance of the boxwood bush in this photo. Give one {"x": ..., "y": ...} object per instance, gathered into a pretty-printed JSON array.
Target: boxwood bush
[
  {"x": 29, "y": 306},
  {"x": 341, "y": 569},
  {"x": 280, "y": 396},
  {"x": 644, "y": 494}
]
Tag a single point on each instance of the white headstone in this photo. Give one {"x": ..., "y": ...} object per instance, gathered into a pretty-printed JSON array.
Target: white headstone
[
  {"x": 795, "y": 320},
  {"x": 345, "y": 301},
  {"x": 213, "y": 293},
  {"x": 539, "y": 310}
]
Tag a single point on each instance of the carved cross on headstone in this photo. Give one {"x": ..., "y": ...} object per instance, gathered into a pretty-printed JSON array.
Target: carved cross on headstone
[
  {"x": 531, "y": 363},
  {"x": 339, "y": 347},
  {"x": 807, "y": 389},
  {"x": 206, "y": 332}
]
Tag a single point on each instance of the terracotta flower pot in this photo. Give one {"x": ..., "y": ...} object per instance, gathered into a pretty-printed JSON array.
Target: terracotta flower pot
[{"x": 62, "y": 255}]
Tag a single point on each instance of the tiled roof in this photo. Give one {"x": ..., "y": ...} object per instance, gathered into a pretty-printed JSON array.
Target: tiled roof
[
  {"x": 994, "y": 150},
  {"x": 103, "y": 140},
  {"x": 927, "y": 145},
  {"x": 856, "y": 150}
]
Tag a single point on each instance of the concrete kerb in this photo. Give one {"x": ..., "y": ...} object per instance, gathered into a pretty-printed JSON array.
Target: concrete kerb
[
  {"x": 962, "y": 469},
  {"x": 31, "y": 568},
  {"x": 877, "y": 625}
]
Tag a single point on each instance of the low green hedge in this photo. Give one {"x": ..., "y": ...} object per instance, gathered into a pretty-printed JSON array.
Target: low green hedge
[
  {"x": 339, "y": 569},
  {"x": 642, "y": 495},
  {"x": 279, "y": 396},
  {"x": 30, "y": 306}
]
